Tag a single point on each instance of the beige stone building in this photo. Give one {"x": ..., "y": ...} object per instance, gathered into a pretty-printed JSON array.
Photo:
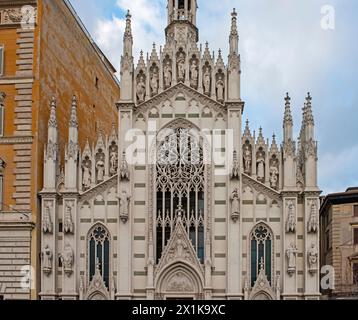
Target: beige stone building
[
  {"x": 184, "y": 201},
  {"x": 339, "y": 241}
]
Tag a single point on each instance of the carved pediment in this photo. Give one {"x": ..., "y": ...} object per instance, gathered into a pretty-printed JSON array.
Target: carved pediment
[
  {"x": 97, "y": 289},
  {"x": 173, "y": 91},
  {"x": 262, "y": 289},
  {"x": 179, "y": 249},
  {"x": 262, "y": 188}
]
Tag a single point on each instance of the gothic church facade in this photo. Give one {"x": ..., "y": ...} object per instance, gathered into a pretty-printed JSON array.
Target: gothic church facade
[{"x": 182, "y": 201}]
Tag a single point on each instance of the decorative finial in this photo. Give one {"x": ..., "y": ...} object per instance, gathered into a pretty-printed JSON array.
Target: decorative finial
[
  {"x": 128, "y": 15},
  {"x": 73, "y": 120},
  {"x": 262, "y": 264},
  {"x": 53, "y": 121}
]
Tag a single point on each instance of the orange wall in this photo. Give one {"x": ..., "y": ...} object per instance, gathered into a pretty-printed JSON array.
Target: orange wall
[{"x": 8, "y": 38}]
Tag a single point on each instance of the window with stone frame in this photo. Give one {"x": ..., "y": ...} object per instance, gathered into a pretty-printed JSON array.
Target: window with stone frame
[
  {"x": 355, "y": 211},
  {"x": 99, "y": 253},
  {"x": 355, "y": 274},
  {"x": 2, "y": 60},
  {"x": 180, "y": 189},
  {"x": 261, "y": 252}
]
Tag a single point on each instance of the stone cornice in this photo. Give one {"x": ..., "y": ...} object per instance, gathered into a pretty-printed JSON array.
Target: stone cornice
[
  {"x": 16, "y": 3},
  {"x": 249, "y": 181},
  {"x": 235, "y": 105},
  {"x": 16, "y": 140},
  {"x": 170, "y": 92}
]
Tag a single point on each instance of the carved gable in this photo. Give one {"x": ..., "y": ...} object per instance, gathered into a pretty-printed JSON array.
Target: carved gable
[
  {"x": 179, "y": 249},
  {"x": 97, "y": 289},
  {"x": 262, "y": 289}
]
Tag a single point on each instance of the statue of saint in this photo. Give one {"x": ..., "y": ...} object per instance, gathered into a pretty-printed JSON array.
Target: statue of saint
[
  {"x": 194, "y": 74},
  {"x": 207, "y": 80},
  {"x": 154, "y": 83},
  {"x": 124, "y": 206},
  {"x": 46, "y": 256},
  {"x": 141, "y": 89},
  {"x": 313, "y": 257},
  {"x": 113, "y": 163},
  {"x": 247, "y": 159},
  {"x": 100, "y": 169},
  {"x": 86, "y": 176},
  {"x": 167, "y": 75},
  {"x": 273, "y": 177},
  {"x": 66, "y": 258},
  {"x": 291, "y": 253},
  {"x": 235, "y": 205},
  {"x": 220, "y": 86},
  {"x": 260, "y": 167},
  {"x": 181, "y": 67}
]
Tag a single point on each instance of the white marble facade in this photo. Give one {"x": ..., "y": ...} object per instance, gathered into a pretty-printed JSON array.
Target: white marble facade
[{"x": 183, "y": 200}]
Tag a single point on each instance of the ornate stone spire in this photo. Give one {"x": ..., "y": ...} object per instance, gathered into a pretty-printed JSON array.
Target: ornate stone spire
[
  {"x": 53, "y": 120},
  {"x": 234, "y": 35},
  {"x": 309, "y": 119},
  {"x": 247, "y": 132},
  {"x": 274, "y": 147},
  {"x": 128, "y": 37},
  {"x": 207, "y": 55},
  {"x": 73, "y": 119},
  {"x": 154, "y": 54},
  {"x": 260, "y": 138},
  {"x": 220, "y": 61},
  {"x": 141, "y": 62},
  {"x": 288, "y": 115}
]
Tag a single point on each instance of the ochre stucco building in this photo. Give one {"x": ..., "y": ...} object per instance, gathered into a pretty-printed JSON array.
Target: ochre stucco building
[{"x": 45, "y": 52}]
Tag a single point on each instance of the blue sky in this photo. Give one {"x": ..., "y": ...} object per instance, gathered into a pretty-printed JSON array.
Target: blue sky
[{"x": 283, "y": 48}]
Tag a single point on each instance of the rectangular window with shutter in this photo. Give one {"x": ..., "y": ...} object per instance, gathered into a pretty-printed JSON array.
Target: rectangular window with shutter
[
  {"x": 355, "y": 233},
  {"x": 1, "y": 60},
  {"x": 355, "y": 273},
  {"x": 355, "y": 211}
]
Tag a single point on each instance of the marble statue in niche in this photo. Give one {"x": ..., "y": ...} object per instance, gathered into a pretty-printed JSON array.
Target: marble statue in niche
[
  {"x": 194, "y": 74},
  {"x": 260, "y": 160},
  {"x": 141, "y": 88},
  {"x": 220, "y": 87},
  {"x": 291, "y": 253},
  {"x": 181, "y": 66},
  {"x": 247, "y": 159},
  {"x": 87, "y": 175},
  {"x": 46, "y": 257},
  {"x": 113, "y": 163},
  {"x": 100, "y": 168},
  {"x": 207, "y": 80},
  {"x": 167, "y": 74},
  {"x": 67, "y": 258},
  {"x": 235, "y": 205},
  {"x": 124, "y": 200},
  {"x": 312, "y": 256},
  {"x": 154, "y": 81}
]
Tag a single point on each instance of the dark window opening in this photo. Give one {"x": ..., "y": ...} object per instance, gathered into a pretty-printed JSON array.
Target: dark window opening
[
  {"x": 355, "y": 209},
  {"x": 181, "y": 4},
  {"x": 356, "y": 236},
  {"x": 97, "y": 82}
]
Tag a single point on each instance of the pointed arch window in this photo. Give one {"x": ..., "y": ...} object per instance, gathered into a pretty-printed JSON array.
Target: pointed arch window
[
  {"x": 180, "y": 189},
  {"x": 261, "y": 252},
  {"x": 99, "y": 252}
]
